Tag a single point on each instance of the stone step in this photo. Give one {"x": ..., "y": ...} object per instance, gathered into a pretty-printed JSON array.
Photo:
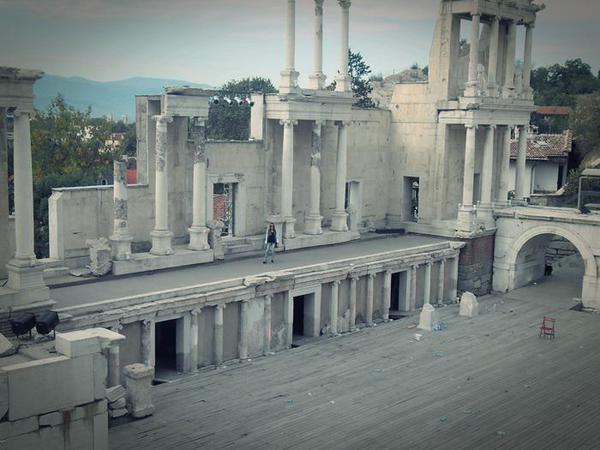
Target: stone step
[{"x": 55, "y": 272}]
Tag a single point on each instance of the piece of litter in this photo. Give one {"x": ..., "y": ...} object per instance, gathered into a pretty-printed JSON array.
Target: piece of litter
[
  {"x": 527, "y": 386},
  {"x": 310, "y": 393},
  {"x": 443, "y": 419},
  {"x": 440, "y": 326},
  {"x": 249, "y": 360},
  {"x": 438, "y": 354},
  {"x": 332, "y": 402},
  {"x": 418, "y": 336},
  {"x": 467, "y": 411},
  {"x": 501, "y": 433}
]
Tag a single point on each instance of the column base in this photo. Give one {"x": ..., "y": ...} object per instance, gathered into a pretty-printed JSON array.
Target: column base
[
  {"x": 198, "y": 238},
  {"x": 288, "y": 228},
  {"x": 289, "y": 82},
  {"x": 121, "y": 247},
  {"x": 343, "y": 84},
  {"x": 428, "y": 317},
  {"x": 339, "y": 221},
  {"x": 27, "y": 279},
  {"x": 161, "y": 242},
  {"x": 471, "y": 89},
  {"x": 317, "y": 81},
  {"x": 312, "y": 224},
  {"x": 485, "y": 215},
  {"x": 508, "y": 92},
  {"x": 465, "y": 220},
  {"x": 492, "y": 90}
]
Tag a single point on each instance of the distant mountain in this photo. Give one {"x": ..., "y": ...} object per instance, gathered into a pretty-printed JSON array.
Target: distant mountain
[{"x": 111, "y": 97}]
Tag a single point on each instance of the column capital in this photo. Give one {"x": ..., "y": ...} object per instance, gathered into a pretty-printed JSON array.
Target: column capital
[
  {"x": 269, "y": 297},
  {"x": 18, "y": 114},
  {"x": 117, "y": 326},
  {"x": 195, "y": 312},
  {"x": 288, "y": 122},
  {"x": 319, "y": 7},
  {"x": 336, "y": 282},
  {"x": 162, "y": 119},
  {"x": 492, "y": 126},
  {"x": 353, "y": 276},
  {"x": 530, "y": 25},
  {"x": 343, "y": 123},
  {"x": 414, "y": 266},
  {"x": 471, "y": 125},
  {"x": 147, "y": 322},
  {"x": 345, "y": 4},
  {"x": 221, "y": 306}
]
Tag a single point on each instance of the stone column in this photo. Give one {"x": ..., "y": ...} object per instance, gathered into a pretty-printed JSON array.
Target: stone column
[
  {"x": 312, "y": 222},
  {"x": 465, "y": 212},
  {"x": 317, "y": 79},
  {"x": 527, "y": 60},
  {"x": 370, "y": 282},
  {"x": 510, "y": 55},
  {"x": 333, "y": 306},
  {"x": 520, "y": 186},
  {"x": 427, "y": 290},
  {"x": 218, "y": 335},
  {"x": 287, "y": 178},
  {"x": 454, "y": 279},
  {"x": 198, "y": 231},
  {"x": 340, "y": 217},
  {"x": 493, "y": 57},
  {"x": 121, "y": 239},
  {"x": 442, "y": 275},
  {"x": 148, "y": 342},
  {"x": 114, "y": 368},
  {"x": 484, "y": 210},
  {"x": 289, "y": 76},
  {"x": 161, "y": 236},
  {"x": 472, "y": 84},
  {"x": 387, "y": 295},
  {"x": 288, "y": 316},
  {"x": 267, "y": 325},
  {"x": 244, "y": 326},
  {"x": 413, "y": 287},
  {"x": 353, "y": 280},
  {"x": 194, "y": 330},
  {"x": 502, "y": 197},
  {"x": 343, "y": 81}
]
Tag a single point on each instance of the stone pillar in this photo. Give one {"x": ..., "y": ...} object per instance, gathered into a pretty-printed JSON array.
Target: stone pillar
[
  {"x": 370, "y": 282},
  {"x": 287, "y": 178},
  {"x": 333, "y": 306},
  {"x": 353, "y": 280},
  {"x": 484, "y": 210},
  {"x": 493, "y": 57},
  {"x": 218, "y": 335},
  {"x": 317, "y": 79},
  {"x": 267, "y": 325},
  {"x": 289, "y": 76},
  {"x": 198, "y": 231},
  {"x": 472, "y": 84},
  {"x": 510, "y": 55},
  {"x": 502, "y": 197},
  {"x": 412, "y": 300},
  {"x": 114, "y": 368},
  {"x": 312, "y": 222},
  {"x": 161, "y": 236},
  {"x": 387, "y": 295},
  {"x": 288, "y": 316},
  {"x": 520, "y": 186},
  {"x": 465, "y": 212},
  {"x": 454, "y": 279},
  {"x": 194, "y": 330},
  {"x": 442, "y": 275},
  {"x": 244, "y": 326},
  {"x": 138, "y": 382},
  {"x": 148, "y": 342},
  {"x": 120, "y": 241},
  {"x": 427, "y": 290},
  {"x": 343, "y": 81},
  {"x": 527, "y": 60},
  {"x": 340, "y": 217}
]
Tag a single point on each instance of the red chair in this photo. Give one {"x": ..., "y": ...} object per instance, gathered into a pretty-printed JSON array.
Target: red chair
[{"x": 548, "y": 327}]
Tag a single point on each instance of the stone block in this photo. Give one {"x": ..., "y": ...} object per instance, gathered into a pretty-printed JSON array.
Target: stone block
[
  {"x": 114, "y": 393},
  {"x": 118, "y": 404},
  {"x": 114, "y": 413},
  {"x": 23, "y": 426},
  {"x": 469, "y": 307},
  {"x": 100, "y": 431},
  {"x": 100, "y": 374},
  {"x": 3, "y": 394},
  {"x": 51, "y": 420},
  {"x": 428, "y": 317},
  {"x": 74, "y": 344},
  {"x": 6, "y": 347},
  {"x": 138, "y": 381},
  {"x": 100, "y": 407}
]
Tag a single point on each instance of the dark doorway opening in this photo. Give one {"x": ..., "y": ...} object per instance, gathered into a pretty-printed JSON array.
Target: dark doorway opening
[
  {"x": 298, "y": 324},
  {"x": 411, "y": 198},
  {"x": 395, "y": 303},
  {"x": 166, "y": 346}
]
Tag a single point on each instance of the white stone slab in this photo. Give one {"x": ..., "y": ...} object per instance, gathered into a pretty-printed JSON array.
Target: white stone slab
[
  {"x": 469, "y": 307},
  {"x": 145, "y": 262},
  {"x": 310, "y": 240},
  {"x": 428, "y": 317}
]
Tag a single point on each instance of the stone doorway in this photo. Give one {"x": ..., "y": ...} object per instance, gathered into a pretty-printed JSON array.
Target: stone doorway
[
  {"x": 411, "y": 198},
  {"x": 165, "y": 348},
  {"x": 353, "y": 204},
  {"x": 298, "y": 321},
  {"x": 224, "y": 206},
  {"x": 399, "y": 295}
]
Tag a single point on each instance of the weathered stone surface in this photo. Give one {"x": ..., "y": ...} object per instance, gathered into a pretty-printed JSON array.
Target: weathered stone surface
[
  {"x": 100, "y": 256},
  {"x": 428, "y": 317},
  {"x": 51, "y": 420},
  {"x": 115, "y": 393},
  {"x": 118, "y": 404},
  {"x": 114, "y": 413},
  {"x": 138, "y": 380},
  {"x": 6, "y": 347},
  {"x": 469, "y": 307}
]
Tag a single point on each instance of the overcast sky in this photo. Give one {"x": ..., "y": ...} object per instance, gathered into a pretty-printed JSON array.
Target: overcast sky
[{"x": 212, "y": 41}]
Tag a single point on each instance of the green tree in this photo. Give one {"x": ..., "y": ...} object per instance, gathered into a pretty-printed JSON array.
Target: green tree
[
  {"x": 585, "y": 123},
  {"x": 232, "y": 121},
  {"x": 359, "y": 73},
  {"x": 560, "y": 84}
]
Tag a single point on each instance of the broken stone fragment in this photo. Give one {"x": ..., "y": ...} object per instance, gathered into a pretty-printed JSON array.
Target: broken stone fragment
[
  {"x": 469, "y": 307},
  {"x": 6, "y": 347},
  {"x": 115, "y": 393}
]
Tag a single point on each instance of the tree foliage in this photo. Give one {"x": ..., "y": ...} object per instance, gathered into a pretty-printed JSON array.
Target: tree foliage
[
  {"x": 560, "y": 84},
  {"x": 585, "y": 123},
  {"x": 232, "y": 121},
  {"x": 359, "y": 72}
]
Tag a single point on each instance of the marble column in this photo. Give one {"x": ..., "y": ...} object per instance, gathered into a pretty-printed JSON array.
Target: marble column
[
  {"x": 510, "y": 56},
  {"x": 427, "y": 288},
  {"x": 333, "y": 307},
  {"x": 442, "y": 275},
  {"x": 473, "y": 83},
  {"x": 387, "y": 295},
  {"x": 520, "y": 181},
  {"x": 413, "y": 287},
  {"x": 454, "y": 280},
  {"x": 369, "y": 314},
  {"x": 485, "y": 213},
  {"x": 199, "y": 231},
  {"x": 218, "y": 334},
  {"x": 148, "y": 342},
  {"x": 194, "y": 331},
  {"x": 504, "y": 186},
  {"x": 353, "y": 280},
  {"x": 289, "y": 76},
  {"x": 340, "y": 217},
  {"x": 244, "y": 328},
  {"x": 24, "y": 272},
  {"x": 287, "y": 178},
  {"x": 343, "y": 81},
  {"x": 288, "y": 316},
  {"x": 114, "y": 368},
  {"x": 267, "y": 324},
  {"x": 465, "y": 211},
  {"x": 161, "y": 236},
  {"x": 493, "y": 57},
  {"x": 121, "y": 238},
  {"x": 527, "y": 60},
  {"x": 312, "y": 222},
  {"x": 317, "y": 79}
]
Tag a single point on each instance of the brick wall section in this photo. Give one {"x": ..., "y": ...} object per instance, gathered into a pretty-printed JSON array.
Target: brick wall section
[{"x": 475, "y": 265}]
